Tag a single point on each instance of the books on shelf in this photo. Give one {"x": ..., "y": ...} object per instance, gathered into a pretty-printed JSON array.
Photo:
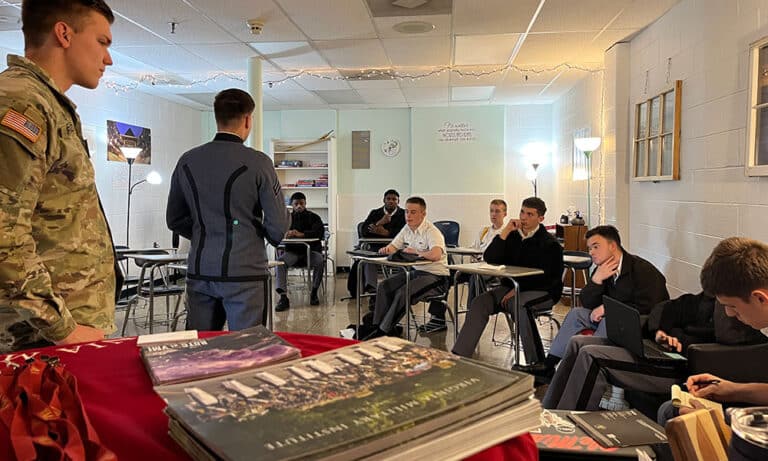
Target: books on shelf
[
  {"x": 382, "y": 399},
  {"x": 203, "y": 358}
]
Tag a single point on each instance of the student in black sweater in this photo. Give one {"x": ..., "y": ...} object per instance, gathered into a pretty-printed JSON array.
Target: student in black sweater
[
  {"x": 304, "y": 224},
  {"x": 523, "y": 242}
]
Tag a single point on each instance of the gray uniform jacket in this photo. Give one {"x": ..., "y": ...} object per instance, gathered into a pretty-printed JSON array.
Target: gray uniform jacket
[{"x": 225, "y": 198}]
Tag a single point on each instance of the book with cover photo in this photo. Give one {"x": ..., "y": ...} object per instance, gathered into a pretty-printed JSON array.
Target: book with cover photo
[
  {"x": 624, "y": 428},
  {"x": 347, "y": 403},
  {"x": 219, "y": 355}
]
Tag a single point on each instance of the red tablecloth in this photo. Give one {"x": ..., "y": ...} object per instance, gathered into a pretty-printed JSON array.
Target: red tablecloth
[{"x": 128, "y": 415}]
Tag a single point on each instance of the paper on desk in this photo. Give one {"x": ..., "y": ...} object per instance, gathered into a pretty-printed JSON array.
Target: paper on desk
[{"x": 495, "y": 267}]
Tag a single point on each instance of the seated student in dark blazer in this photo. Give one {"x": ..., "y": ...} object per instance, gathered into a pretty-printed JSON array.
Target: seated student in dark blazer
[
  {"x": 304, "y": 224},
  {"x": 382, "y": 222},
  {"x": 620, "y": 275},
  {"x": 522, "y": 242},
  {"x": 675, "y": 324}
]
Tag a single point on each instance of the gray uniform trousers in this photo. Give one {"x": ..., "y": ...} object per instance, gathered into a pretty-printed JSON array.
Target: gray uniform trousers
[
  {"x": 576, "y": 321},
  {"x": 210, "y": 304},
  {"x": 591, "y": 364},
  {"x": 291, "y": 259},
  {"x": 480, "y": 311},
  {"x": 390, "y": 292}
]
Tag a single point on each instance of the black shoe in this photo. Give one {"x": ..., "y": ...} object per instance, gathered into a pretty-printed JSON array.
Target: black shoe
[
  {"x": 434, "y": 325},
  {"x": 313, "y": 299},
  {"x": 541, "y": 372},
  {"x": 283, "y": 304}
]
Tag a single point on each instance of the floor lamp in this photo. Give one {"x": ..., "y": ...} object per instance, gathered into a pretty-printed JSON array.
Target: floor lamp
[
  {"x": 152, "y": 178},
  {"x": 533, "y": 175},
  {"x": 588, "y": 145}
]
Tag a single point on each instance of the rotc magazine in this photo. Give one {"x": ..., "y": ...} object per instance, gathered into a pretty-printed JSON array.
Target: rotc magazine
[
  {"x": 378, "y": 399},
  {"x": 220, "y": 355}
]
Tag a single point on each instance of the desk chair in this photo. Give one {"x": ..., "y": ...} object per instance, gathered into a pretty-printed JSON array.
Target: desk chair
[
  {"x": 450, "y": 231},
  {"x": 148, "y": 288},
  {"x": 538, "y": 306}
]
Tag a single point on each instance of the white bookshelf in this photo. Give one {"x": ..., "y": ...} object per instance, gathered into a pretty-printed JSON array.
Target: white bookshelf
[{"x": 316, "y": 160}]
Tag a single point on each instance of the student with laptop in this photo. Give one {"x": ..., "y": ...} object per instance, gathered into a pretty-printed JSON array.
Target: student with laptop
[
  {"x": 619, "y": 275},
  {"x": 592, "y": 363},
  {"x": 737, "y": 274}
]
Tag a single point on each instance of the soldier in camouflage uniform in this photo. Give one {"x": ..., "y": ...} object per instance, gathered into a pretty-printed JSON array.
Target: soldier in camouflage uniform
[{"x": 57, "y": 264}]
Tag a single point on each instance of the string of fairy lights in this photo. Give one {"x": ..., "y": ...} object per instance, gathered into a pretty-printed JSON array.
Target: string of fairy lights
[{"x": 353, "y": 75}]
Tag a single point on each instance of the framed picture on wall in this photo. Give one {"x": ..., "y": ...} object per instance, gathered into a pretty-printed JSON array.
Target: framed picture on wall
[
  {"x": 128, "y": 141},
  {"x": 757, "y": 120},
  {"x": 656, "y": 145}
]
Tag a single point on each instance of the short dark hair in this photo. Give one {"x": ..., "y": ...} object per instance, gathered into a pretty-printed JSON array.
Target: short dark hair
[
  {"x": 39, "y": 16},
  {"x": 537, "y": 203},
  {"x": 605, "y": 231},
  {"x": 232, "y": 104},
  {"x": 298, "y": 196},
  {"x": 500, "y": 202},
  {"x": 737, "y": 267},
  {"x": 391, "y": 192},
  {"x": 418, "y": 201}
]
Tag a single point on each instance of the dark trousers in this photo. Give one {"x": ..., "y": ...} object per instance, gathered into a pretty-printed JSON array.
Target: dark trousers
[
  {"x": 390, "y": 293},
  {"x": 211, "y": 304},
  {"x": 489, "y": 303},
  {"x": 291, "y": 259}
]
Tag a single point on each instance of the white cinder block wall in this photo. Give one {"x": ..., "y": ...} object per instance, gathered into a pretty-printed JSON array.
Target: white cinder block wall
[{"x": 676, "y": 224}]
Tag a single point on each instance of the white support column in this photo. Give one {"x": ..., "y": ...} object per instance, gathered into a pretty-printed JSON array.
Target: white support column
[{"x": 256, "y": 139}]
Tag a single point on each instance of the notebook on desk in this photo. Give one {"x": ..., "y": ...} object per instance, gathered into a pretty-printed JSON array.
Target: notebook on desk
[
  {"x": 366, "y": 253},
  {"x": 623, "y": 327}
]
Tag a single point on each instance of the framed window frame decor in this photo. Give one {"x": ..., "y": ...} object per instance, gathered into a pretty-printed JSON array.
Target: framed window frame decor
[
  {"x": 752, "y": 167},
  {"x": 665, "y": 136}
]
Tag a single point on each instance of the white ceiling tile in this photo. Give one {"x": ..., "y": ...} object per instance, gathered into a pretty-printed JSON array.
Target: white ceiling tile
[
  {"x": 581, "y": 16},
  {"x": 516, "y": 94},
  {"x": 427, "y": 95},
  {"x": 340, "y": 96},
  {"x": 127, "y": 33},
  {"x": 492, "y": 16},
  {"x": 374, "y": 84},
  {"x": 426, "y": 51},
  {"x": 552, "y": 49},
  {"x": 280, "y": 84},
  {"x": 354, "y": 54},
  {"x": 382, "y": 96},
  {"x": 324, "y": 81},
  {"x": 469, "y": 76},
  {"x": 471, "y": 93},
  {"x": 291, "y": 55},
  {"x": 232, "y": 15},
  {"x": 192, "y": 27},
  {"x": 484, "y": 49},
  {"x": 331, "y": 19},
  {"x": 219, "y": 83},
  {"x": 170, "y": 58},
  {"x": 441, "y": 22},
  {"x": 296, "y": 98},
  {"x": 640, "y": 14},
  {"x": 441, "y": 79},
  {"x": 228, "y": 57},
  {"x": 387, "y": 8},
  {"x": 515, "y": 77}
]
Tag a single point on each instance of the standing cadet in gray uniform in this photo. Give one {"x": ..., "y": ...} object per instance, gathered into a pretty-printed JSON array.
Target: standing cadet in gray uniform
[
  {"x": 57, "y": 264},
  {"x": 226, "y": 199}
]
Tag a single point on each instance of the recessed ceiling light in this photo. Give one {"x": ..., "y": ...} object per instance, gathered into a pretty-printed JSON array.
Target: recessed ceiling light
[{"x": 413, "y": 27}]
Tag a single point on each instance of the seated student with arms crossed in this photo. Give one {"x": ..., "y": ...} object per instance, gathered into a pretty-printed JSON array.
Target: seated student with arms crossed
[
  {"x": 422, "y": 238},
  {"x": 620, "y": 275},
  {"x": 522, "y": 242},
  {"x": 736, "y": 273}
]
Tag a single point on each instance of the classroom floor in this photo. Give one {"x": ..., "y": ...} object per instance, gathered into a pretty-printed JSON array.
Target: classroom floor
[{"x": 332, "y": 315}]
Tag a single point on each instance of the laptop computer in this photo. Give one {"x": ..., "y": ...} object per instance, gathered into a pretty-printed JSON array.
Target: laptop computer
[{"x": 623, "y": 327}]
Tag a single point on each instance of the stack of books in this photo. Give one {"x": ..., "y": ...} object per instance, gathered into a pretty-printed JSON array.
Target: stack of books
[
  {"x": 322, "y": 181},
  {"x": 382, "y": 399},
  {"x": 305, "y": 183}
]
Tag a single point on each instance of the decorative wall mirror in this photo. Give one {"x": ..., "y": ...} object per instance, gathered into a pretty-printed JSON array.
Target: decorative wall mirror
[{"x": 657, "y": 137}]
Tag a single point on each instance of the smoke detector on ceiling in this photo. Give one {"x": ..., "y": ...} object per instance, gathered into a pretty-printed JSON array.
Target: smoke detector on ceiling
[
  {"x": 255, "y": 26},
  {"x": 409, "y": 3},
  {"x": 413, "y": 27}
]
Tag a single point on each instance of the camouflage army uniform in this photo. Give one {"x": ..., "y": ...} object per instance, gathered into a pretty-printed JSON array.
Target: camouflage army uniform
[{"x": 56, "y": 255}]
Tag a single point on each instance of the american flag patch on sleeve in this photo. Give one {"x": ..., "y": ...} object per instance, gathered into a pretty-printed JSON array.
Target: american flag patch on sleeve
[{"x": 21, "y": 124}]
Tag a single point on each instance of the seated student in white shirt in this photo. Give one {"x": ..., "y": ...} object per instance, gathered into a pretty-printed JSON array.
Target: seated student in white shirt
[
  {"x": 420, "y": 237},
  {"x": 498, "y": 211}
]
